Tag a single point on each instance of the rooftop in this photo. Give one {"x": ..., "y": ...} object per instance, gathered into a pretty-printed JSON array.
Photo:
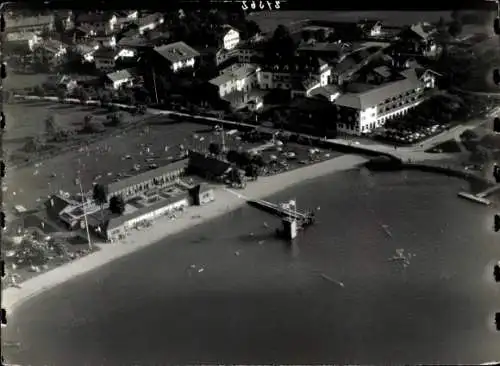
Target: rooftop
[
  {"x": 20, "y": 37},
  {"x": 238, "y": 73},
  {"x": 366, "y": 95},
  {"x": 119, "y": 75},
  {"x": 104, "y": 52},
  {"x": 175, "y": 52},
  {"x": 118, "y": 221},
  {"x": 149, "y": 19},
  {"x": 24, "y": 22},
  {"x": 146, "y": 176},
  {"x": 325, "y": 91},
  {"x": 93, "y": 17}
]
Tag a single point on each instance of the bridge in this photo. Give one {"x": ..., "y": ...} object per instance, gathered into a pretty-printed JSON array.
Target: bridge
[{"x": 303, "y": 217}]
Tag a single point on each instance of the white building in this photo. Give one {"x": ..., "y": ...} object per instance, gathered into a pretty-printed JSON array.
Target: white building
[
  {"x": 149, "y": 22},
  {"x": 34, "y": 24},
  {"x": 242, "y": 77},
  {"x": 120, "y": 225},
  {"x": 178, "y": 55},
  {"x": 367, "y": 106},
  {"x": 231, "y": 37},
  {"x": 55, "y": 48},
  {"x": 119, "y": 79},
  {"x": 277, "y": 77}
]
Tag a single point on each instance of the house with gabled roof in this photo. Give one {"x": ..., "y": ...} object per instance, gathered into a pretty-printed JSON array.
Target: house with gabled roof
[
  {"x": 417, "y": 39},
  {"x": 178, "y": 55},
  {"x": 118, "y": 79},
  {"x": 97, "y": 21},
  {"x": 149, "y": 22}
]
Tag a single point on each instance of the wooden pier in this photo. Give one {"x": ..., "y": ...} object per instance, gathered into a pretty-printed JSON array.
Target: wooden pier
[
  {"x": 293, "y": 220},
  {"x": 481, "y": 196}
]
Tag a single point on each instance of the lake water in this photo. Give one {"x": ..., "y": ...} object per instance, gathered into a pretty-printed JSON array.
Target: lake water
[{"x": 258, "y": 300}]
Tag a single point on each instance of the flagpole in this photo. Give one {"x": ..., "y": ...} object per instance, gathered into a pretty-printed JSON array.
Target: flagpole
[{"x": 85, "y": 214}]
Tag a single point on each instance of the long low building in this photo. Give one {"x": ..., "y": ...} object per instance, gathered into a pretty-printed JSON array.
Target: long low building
[
  {"x": 114, "y": 227},
  {"x": 159, "y": 177}
]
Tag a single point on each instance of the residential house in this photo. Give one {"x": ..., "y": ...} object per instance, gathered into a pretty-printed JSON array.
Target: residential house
[
  {"x": 83, "y": 33},
  {"x": 328, "y": 93},
  {"x": 33, "y": 24},
  {"x": 241, "y": 77},
  {"x": 50, "y": 52},
  {"x": 302, "y": 87},
  {"x": 67, "y": 19},
  {"x": 105, "y": 40},
  {"x": 300, "y": 70},
  {"x": 352, "y": 63},
  {"x": 105, "y": 59},
  {"x": 21, "y": 41},
  {"x": 98, "y": 22},
  {"x": 118, "y": 79},
  {"x": 366, "y": 106},
  {"x": 149, "y": 22},
  {"x": 86, "y": 51},
  {"x": 417, "y": 39},
  {"x": 125, "y": 17},
  {"x": 250, "y": 52},
  {"x": 56, "y": 204},
  {"x": 64, "y": 82},
  {"x": 178, "y": 55},
  {"x": 329, "y": 51},
  {"x": 159, "y": 177},
  {"x": 371, "y": 27},
  {"x": 230, "y": 37}
]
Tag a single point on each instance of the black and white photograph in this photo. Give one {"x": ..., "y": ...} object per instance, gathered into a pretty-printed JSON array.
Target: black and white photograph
[{"x": 249, "y": 183}]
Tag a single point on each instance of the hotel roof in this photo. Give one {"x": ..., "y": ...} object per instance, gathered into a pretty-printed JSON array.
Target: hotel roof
[
  {"x": 370, "y": 96},
  {"x": 146, "y": 176},
  {"x": 24, "y": 22},
  {"x": 175, "y": 52}
]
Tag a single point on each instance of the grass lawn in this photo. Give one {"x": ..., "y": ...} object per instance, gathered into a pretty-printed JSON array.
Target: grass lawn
[{"x": 449, "y": 147}]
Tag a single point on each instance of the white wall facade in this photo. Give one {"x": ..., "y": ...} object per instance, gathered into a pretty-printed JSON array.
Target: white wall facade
[
  {"x": 179, "y": 65},
  {"x": 231, "y": 39}
]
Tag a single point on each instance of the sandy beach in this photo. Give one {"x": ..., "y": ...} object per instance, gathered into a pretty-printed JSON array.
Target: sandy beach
[{"x": 226, "y": 201}]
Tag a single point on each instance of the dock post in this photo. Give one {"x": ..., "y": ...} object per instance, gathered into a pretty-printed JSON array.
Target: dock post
[{"x": 290, "y": 228}]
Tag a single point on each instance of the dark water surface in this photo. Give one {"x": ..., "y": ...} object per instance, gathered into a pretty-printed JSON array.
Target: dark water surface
[{"x": 271, "y": 303}]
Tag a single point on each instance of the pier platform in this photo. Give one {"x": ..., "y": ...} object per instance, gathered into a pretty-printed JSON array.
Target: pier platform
[
  {"x": 488, "y": 191},
  {"x": 302, "y": 217},
  {"x": 475, "y": 198}
]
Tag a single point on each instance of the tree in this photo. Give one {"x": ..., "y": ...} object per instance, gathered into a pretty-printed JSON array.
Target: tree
[
  {"x": 100, "y": 196},
  {"x": 252, "y": 170},
  {"x": 252, "y": 28},
  {"x": 61, "y": 94},
  {"x": 455, "y": 15},
  {"x": 117, "y": 205},
  {"x": 51, "y": 127},
  {"x": 455, "y": 28},
  {"x": 214, "y": 148},
  {"x": 306, "y": 35},
  {"x": 468, "y": 135},
  {"x": 115, "y": 119},
  {"x": 441, "y": 24},
  {"x": 105, "y": 98},
  {"x": 320, "y": 35},
  {"x": 33, "y": 144},
  {"x": 38, "y": 90},
  {"x": 81, "y": 94},
  {"x": 233, "y": 156}
]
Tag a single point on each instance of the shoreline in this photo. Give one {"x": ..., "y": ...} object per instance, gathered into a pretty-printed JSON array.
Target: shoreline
[{"x": 225, "y": 201}]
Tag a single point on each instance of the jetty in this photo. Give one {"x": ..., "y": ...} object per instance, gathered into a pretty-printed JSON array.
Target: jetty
[
  {"x": 292, "y": 219},
  {"x": 481, "y": 197}
]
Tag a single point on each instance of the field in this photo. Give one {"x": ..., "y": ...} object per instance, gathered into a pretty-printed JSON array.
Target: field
[{"x": 26, "y": 119}]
